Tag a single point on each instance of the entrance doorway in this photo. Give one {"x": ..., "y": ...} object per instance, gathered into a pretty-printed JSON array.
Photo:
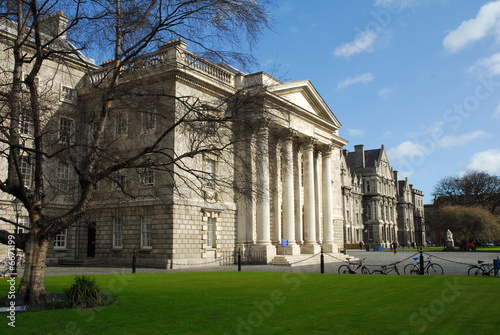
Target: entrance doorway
[{"x": 91, "y": 240}]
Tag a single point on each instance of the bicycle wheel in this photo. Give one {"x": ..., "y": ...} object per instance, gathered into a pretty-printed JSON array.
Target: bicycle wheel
[
  {"x": 475, "y": 271},
  {"x": 344, "y": 269},
  {"x": 378, "y": 272},
  {"x": 365, "y": 270},
  {"x": 435, "y": 269},
  {"x": 411, "y": 269}
]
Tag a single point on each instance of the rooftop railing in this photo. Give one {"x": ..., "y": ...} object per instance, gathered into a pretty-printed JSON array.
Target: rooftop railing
[{"x": 169, "y": 55}]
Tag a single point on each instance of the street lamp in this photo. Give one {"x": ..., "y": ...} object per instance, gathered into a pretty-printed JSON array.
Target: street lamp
[{"x": 16, "y": 205}]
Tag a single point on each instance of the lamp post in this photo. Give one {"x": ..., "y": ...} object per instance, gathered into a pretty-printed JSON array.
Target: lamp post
[{"x": 16, "y": 205}]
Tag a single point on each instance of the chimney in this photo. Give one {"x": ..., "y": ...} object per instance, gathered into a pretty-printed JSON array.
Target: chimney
[
  {"x": 55, "y": 25},
  {"x": 359, "y": 150}
]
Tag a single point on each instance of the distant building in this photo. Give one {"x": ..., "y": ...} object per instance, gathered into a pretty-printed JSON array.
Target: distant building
[{"x": 379, "y": 209}]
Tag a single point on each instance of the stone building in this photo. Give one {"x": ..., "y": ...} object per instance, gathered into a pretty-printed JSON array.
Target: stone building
[
  {"x": 288, "y": 180},
  {"x": 281, "y": 184},
  {"x": 411, "y": 223},
  {"x": 378, "y": 209}
]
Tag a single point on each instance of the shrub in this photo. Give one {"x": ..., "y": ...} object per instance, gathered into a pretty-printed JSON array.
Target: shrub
[{"x": 83, "y": 293}]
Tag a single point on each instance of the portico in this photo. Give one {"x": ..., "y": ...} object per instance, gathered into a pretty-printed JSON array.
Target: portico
[{"x": 294, "y": 188}]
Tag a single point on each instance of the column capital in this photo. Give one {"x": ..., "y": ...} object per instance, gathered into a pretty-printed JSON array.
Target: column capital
[
  {"x": 308, "y": 142},
  {"x": 288, "y": 133},
  {"x": 327, "y": 149}
]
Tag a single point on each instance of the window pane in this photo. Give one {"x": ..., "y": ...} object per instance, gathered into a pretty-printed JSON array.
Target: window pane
[
  {"x": 63, "y": 176},
  {"x": 117, "y": 232},
  {"x": 211, "y": 232},
  {"x": 146, "y": 232},
  {"x": 65, "y": 126},
  {"x": 210, "y": 173}
]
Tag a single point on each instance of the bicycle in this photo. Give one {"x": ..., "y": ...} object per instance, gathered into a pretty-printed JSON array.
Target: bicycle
[
  {"x": 353, "y": 267},
  {"x": 481, "y": 269},
  {"x": 386, "y": 269},
  {"x": 429, "y": 267}
]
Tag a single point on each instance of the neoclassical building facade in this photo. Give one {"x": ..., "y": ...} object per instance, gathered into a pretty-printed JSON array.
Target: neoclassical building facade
[{"x": 284, "y": 187}]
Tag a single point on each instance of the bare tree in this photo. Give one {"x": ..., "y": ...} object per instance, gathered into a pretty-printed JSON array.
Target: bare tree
[
  {"x": 31, "y": 137},
  {"x": 474, "y": 188}
]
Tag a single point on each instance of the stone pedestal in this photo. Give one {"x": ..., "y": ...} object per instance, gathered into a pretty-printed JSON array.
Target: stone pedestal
[
  {"x": 330, "y": 248},
  {"x": 290, "y": 250},
  {"x": 268, "y": 250},
  {"x": 310, "y": 249},
  {"x": 449, "y": 246}
]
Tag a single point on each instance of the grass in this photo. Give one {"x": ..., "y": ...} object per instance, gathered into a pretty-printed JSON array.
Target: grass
[{"x": 274, "y": 303}]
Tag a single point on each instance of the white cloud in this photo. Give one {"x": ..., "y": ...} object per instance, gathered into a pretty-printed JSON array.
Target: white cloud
[
  {"x": 364, "y": 78},
  {"x": 486, "y": 22},
  {"x": 434, "y": 130},
  {"x": 488, "y": 65},
  {"x": 363, "y": 43},
  {"x": 385, "y": 92},
  {"x": 405, "y": 156},
  {"x": 402, "y": 151},
  {"x": 355, "y": 132},
  {"x": 488, "y": 161},
  {"x": 451, "y": 141}
]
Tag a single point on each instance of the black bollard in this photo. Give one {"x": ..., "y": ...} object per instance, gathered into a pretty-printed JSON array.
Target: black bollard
[
  {"x": 322, "y": 261},
  {"x": 421, "y": 262},
  {"x": 239, "y": 259},
  {"x": 134, "y": 259}
]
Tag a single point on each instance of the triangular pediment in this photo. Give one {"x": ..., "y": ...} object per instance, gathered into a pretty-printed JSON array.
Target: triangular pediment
[{"x": 303, "y": 95}]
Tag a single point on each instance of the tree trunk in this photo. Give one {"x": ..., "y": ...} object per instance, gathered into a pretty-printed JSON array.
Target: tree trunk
[{"x": 32, "y": 285}]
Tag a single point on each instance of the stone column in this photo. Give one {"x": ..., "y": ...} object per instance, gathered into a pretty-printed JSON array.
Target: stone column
[
  {"x": 310, "y": 245},
  {"x": 277, "y": 191},
  {"x": 263, "y": 202},
  {"x": 288, "y": 197},
  {"x": 318, "y": 197},
  {"x": 297, "y": 173},
  {"x": 328, "y": 241}
]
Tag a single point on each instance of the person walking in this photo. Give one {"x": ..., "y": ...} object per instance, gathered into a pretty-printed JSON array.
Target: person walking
[{"x": 395, "y": 247}]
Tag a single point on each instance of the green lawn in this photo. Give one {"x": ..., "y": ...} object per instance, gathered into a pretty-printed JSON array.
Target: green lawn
[{"x": 275, "y": 303}]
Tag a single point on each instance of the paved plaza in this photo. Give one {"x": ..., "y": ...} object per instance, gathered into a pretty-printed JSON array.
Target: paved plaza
[{"x": 453, "y": 263}]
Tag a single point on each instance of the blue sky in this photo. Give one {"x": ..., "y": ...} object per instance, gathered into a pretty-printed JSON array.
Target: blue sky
[{"x": 421, "y": 77}]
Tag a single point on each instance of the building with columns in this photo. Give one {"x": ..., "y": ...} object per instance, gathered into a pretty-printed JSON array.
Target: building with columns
[
  {"x": 281, "y": 183},
  {"x": 285, "y": 186}
]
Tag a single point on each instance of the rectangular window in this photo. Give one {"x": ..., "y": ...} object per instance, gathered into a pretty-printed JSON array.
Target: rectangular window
[
  {"x": 118, "y": 181},
  {"x": 60, "y": 241},
  {"x": 368, "y": 212},
  {"x": 148, "y": 121},
  {"x": 27, "y": 171},
  {"x": 210, "y": 173},
  {"x": 147, "y": 177},
  {"x": 63, "y": 176},
  {"x": 211, "y": 232},
  {"x": 146, "y": 233},
  {"x": 68, "y": 94},
  {"x": 117, "y": 232},
  {"x": 26, "y": 126},
  {"x": 65, "y": 129},
  {"x": 121, "y": 125}
]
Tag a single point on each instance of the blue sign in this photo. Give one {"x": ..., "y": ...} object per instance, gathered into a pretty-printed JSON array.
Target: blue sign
[{"x": 284, "y": 243}]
